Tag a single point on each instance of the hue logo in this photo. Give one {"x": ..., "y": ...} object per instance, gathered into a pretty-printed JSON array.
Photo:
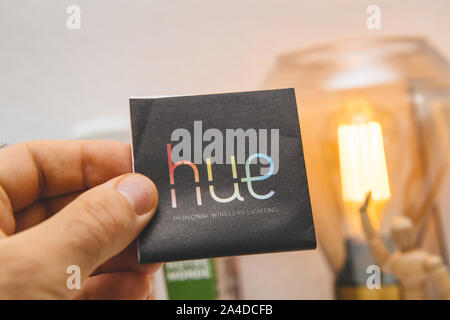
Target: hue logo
[{"x": 217, "y": 149}]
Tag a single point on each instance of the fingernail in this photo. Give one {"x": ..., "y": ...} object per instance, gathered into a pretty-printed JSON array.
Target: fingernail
[{"x": 140, "y": 192}]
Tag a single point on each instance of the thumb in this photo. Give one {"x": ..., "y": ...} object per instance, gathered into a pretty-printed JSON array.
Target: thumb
[
  {"x": 96, "y": 226},
  {"x": 105, "y": 220}
]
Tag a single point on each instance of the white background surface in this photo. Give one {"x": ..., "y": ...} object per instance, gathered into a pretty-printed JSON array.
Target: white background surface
[{"x": 52, "y": 80}]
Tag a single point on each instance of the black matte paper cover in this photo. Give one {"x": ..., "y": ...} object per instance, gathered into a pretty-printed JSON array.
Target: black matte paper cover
[{"x": 230, "y": 173}]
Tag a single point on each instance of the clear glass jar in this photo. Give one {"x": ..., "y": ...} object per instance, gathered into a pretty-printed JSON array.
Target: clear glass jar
[{"x": 374, "y": 117}]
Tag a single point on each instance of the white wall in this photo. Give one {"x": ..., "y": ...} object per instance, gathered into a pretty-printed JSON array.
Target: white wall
[{"x": 53, "y": 79}]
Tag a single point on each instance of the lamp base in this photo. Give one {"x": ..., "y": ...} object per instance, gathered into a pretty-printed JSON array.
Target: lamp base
[{"x": 386, "y": 292}]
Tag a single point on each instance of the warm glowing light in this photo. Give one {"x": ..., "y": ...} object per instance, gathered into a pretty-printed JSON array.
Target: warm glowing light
[{"x": 362, "y": 162}]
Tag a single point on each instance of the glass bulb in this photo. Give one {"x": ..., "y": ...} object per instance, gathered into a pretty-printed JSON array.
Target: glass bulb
[{"x": 362, "y": 162}]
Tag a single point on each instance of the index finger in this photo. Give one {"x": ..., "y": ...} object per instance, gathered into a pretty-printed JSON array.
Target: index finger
[{"x": 48, "y": 168}]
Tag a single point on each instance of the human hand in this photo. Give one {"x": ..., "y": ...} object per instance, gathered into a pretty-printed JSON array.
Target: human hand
[{"x": 72, "y": 203}]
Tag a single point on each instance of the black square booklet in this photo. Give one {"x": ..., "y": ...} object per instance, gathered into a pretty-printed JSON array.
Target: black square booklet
[{"x": 230, "y": 173}]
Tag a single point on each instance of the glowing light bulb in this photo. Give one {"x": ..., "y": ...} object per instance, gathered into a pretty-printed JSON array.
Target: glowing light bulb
[{"x": 362, "y": 162}]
